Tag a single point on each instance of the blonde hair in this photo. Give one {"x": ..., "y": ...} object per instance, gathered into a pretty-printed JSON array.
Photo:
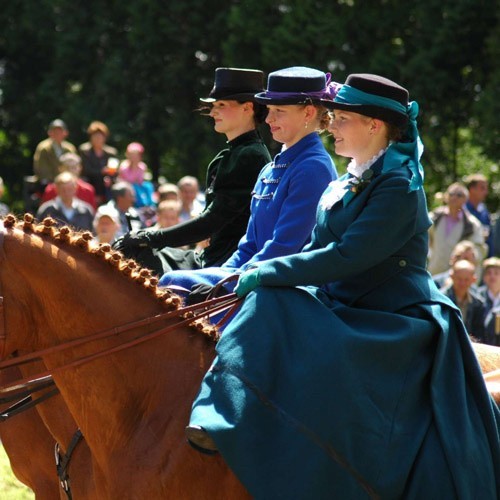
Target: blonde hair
[
  {"x": 65, "y": 177},
  {"x": 97, "y": 126},
  {"x": 166, "y": 205}
]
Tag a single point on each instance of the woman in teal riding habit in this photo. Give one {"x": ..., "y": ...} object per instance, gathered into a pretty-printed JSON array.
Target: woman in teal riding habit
[{"x": 346, "y": 373}]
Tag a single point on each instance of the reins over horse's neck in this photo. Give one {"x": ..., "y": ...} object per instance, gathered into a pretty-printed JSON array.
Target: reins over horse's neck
[
  {"x": 185, "y": 317},
  {"x": 192, "y": 316}
]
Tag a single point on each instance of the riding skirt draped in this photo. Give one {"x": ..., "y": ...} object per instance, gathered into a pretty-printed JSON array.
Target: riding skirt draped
[{"x": 344, "y": 402}]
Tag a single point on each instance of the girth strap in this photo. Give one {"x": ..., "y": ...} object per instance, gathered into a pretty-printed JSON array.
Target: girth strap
[{"x": 62, "y": 462}]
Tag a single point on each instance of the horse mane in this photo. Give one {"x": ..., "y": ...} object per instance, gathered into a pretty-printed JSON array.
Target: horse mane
[{"x": 141, "y": 276}]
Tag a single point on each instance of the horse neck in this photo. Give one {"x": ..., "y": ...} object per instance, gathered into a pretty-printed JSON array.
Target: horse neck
[
  {"x": 139, "y": 396},
  {"x": 66, "y": 292}
]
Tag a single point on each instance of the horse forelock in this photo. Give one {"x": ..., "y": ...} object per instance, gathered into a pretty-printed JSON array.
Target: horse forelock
[{"x": 83, "y": 241}]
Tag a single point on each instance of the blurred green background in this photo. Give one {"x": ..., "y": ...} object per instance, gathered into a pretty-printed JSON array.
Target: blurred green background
[{"x": 141, "y": 65}]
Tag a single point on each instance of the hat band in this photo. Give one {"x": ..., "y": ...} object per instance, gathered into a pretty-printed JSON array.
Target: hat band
[
  {"x": 300, "y": 96},
  {"x": 351, "y": 95},
  {"x": 328, "y": 93}
]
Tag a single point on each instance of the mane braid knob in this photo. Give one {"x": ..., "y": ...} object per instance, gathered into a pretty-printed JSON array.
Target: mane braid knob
[
  {"x": 82, "y": 240},
  {"x": 9, "y": 221},
  {"x": 146, "y": 273},
  {"x": 128, "y": 268},
  {"x": 163, "y": 294},
  {"x": 28, "y": 221},
  {"x": 64, "y": 234},
  {"x": 46, "y": 227},
  {"x": 114, "y": 258}
]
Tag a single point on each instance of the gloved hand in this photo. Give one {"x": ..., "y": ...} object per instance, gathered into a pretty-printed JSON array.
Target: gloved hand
[
  {"x": 132, "y": 240},
  {"x": 201, "y": 291},
  {"x": 247, "y": 282}
]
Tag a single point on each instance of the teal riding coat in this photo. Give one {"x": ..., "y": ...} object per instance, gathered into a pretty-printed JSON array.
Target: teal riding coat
[{"x": 363, "y": 385}]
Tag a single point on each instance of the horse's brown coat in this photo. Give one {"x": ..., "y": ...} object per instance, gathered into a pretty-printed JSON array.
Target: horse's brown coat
[{"x": 132, "y": 406}]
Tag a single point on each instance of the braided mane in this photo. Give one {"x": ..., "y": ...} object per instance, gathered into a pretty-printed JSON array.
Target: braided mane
[{"x": 83, "y": 240}]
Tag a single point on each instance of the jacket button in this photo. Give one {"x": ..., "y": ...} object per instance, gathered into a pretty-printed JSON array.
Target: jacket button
[{"x": 402, "y": 263}]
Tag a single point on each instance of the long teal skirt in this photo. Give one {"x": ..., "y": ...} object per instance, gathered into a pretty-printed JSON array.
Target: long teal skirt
[{"x": 311, "y": 399}]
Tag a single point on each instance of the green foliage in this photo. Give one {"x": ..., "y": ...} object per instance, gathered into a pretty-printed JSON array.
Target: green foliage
[{"x": 141, "y": 66}]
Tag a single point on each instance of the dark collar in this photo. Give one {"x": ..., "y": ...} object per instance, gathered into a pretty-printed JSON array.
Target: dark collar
[{"x": 250, "y": 136}]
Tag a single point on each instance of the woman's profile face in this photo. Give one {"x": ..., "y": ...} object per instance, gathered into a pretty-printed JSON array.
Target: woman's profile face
[
  {"x": 351, "y": 132},
  {"x": 228, "y": 116},
  {"x": 288, "y": 123}
]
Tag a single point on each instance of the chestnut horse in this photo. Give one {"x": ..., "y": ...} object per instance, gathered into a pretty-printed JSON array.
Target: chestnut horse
[{"x": 131, "y": 406}]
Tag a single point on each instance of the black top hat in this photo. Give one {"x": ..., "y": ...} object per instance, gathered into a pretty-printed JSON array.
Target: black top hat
[
  {"x": 368, "y": 104},
  {"x": 296, "y": 85},
  {"x": 236, "y": 84}
]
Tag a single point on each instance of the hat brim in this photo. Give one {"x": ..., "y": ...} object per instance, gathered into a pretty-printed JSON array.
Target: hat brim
[
  {"x": 262, "y": 98},
  {"x": 384, "y": 114},
  {"x": 243, "y": 97}
]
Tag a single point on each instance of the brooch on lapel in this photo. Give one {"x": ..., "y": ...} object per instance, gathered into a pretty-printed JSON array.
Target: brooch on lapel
[{"x": 357, "y": 184}]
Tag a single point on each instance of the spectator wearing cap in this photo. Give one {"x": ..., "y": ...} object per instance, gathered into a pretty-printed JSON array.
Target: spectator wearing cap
[
  {"x": 71, "y": 162},
  {"x": 47, "y": 153},
  {"x": 96, "y": 156},
  {"x": 133, "y": 170},
  {"x": 66, "y": 208},
  {"x": 106, "y": 224},
  {"x": 230, "y": 178}
]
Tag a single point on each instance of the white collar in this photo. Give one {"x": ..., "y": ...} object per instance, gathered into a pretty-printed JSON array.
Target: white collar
[{"x": 357, "y": 170}]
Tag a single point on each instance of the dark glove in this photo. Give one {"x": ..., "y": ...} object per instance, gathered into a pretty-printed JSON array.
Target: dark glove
[
  {"x": 132, "y": 240},
  {"x": 199, "y": 293}
]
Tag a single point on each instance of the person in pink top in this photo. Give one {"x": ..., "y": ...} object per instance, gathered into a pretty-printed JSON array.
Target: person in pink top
[{"x": 133, "y": 168}]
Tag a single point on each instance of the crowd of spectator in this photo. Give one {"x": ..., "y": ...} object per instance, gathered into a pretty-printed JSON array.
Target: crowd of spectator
[
  {"x": 90, "y": 187},
  {"x": 463, "y": 256}
]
